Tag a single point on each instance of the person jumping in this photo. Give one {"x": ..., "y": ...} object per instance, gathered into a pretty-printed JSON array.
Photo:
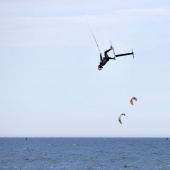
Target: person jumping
[{"x": 105, "y": 59}]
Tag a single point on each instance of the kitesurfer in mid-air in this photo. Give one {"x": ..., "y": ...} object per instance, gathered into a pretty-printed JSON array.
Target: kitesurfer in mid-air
[{"x": 106, "y": 58}]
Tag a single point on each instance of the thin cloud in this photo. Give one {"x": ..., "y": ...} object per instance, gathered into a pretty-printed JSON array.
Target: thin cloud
[{"x": 50, "y": 30}]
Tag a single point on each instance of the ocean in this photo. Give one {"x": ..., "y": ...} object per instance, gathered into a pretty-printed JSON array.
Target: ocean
[{"x": 84, "y": 153}]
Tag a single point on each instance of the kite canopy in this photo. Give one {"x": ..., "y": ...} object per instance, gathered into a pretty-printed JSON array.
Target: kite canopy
[
  {"x": 119, "y": 118},
  {"x": 132, "y": 99}
]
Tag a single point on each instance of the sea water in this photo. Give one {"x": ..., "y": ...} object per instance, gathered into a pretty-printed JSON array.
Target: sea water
[{"x": 84, "y": 153}]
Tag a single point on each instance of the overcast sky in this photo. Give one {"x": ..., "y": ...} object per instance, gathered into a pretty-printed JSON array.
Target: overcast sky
[{"x": 49, "y": 82}]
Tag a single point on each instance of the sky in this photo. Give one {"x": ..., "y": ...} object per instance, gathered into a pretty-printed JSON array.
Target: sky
[{"x": 49, "y": 82}]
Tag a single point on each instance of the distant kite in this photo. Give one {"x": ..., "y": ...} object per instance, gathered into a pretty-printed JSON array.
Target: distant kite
[
  {"x": 119, "y": 118},
  {"x": 132, "y": 99}
]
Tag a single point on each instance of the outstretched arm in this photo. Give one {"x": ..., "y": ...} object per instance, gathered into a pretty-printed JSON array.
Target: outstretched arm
[{"x": 101, "y": 57}]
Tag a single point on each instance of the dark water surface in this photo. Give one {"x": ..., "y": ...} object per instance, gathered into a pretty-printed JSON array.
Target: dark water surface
[{"x": 84, "y": 153}]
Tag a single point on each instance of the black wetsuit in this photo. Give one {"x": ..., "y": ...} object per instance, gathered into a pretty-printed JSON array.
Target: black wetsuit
[{"x": 106, "y": 58}]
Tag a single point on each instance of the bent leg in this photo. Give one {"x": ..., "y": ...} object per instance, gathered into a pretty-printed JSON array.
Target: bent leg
[
  {"x": 105, "y": 53},
  {"x": 113, "y": 58}
]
